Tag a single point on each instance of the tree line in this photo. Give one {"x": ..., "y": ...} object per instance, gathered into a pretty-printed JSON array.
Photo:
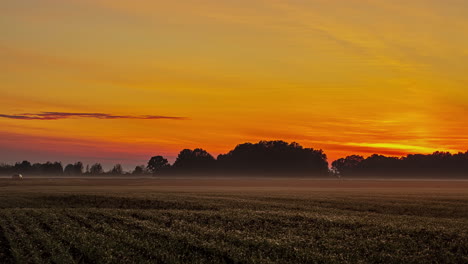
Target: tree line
[
  {"x": 57, "y": 169},
  {"x": 262, "y": 158},
  {"x": 437, "y": 164},
  {"x": 268, "y": 158}
]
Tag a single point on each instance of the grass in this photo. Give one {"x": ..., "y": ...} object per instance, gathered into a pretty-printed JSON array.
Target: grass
[{"x": 129, "y": 224}]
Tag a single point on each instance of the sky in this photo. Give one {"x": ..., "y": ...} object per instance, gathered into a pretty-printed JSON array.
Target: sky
[{"x": 119, "y": 81}]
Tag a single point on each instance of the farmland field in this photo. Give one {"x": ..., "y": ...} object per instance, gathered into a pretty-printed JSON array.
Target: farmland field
[{"x": 232, "y": 221}]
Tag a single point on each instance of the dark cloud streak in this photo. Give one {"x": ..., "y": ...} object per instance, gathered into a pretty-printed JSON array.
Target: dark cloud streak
[{"x": 65, "y": 115}]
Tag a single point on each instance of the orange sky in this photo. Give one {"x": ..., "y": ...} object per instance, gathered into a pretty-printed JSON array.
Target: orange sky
[{"x": 354, "y": 76}]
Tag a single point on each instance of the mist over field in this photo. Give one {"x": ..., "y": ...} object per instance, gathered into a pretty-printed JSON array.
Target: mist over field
[
  {"x": 266, "y": 159},
  {"x": 232, "y": 221}
]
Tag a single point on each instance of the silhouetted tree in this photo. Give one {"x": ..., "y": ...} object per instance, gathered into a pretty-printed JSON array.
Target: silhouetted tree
[
  {"x": 69, "y": 170},
  {"x": 24, "y": 167},
  {"x": 6, "y": 169},
  {"x": 438, "y": 164},
  {"x": 197, "y": 161},
  {"x": 38, "y": 168},
  {"x": 55, "y": 168},
  {"x": 139, "y": 170},
  {"x": 157, "y": 164},
  {"x": 117, "y": 170},
  {"x": 74, "y": 169},
  {"x": 78, "y": 168},
  {"x": 47, "y": 168},
  {"x": 348, "y": 165},
  {"x": 274, "y": 158},
  {"x": 96, "y": 169}
]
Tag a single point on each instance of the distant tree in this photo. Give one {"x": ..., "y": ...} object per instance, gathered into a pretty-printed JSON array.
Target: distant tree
[
  {"x": 117, "y": 170},
  {"x": 37, "y": 168},
  {"x": 47, "y": 168},
  {"x": 139, "y": 170},
  {"x": 348, "y": 165},
  {"x": 74, "y": 169},
  {"x": 194, "y": 161},
  {"x": 69, "y": 170},
  {"x": 379, "y": 165},
  {"x": 274, "y": 158},
  {"x": 78, "y": 168},
  {"x": 440, "y": 163},
  {"x": 157, "y": 164},
  {"x": 55, "y": 168},
  {"x": 23, "y": 167},
  {"x": 437, "y": 164},
  {"x": 6, "y": 169},
  {"x": 96, "y": 169}
]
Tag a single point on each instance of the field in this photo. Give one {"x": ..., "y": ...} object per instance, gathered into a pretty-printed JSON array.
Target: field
[{"x": 232, "y": 221}]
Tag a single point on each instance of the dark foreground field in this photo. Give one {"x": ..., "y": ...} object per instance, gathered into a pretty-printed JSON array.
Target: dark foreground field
[{"x": 230, "y": 221}]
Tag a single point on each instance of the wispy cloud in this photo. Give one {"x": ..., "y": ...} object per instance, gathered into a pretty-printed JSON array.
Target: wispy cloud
[{"x": 66, "y": 115}]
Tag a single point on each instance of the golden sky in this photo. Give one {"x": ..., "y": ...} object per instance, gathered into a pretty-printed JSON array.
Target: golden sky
[{"x": 347, "y": 76}]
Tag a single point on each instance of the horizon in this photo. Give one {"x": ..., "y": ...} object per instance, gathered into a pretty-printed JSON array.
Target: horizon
[
  {"x": 128, "y": 168},
  {"x": 121, "y": 81}
]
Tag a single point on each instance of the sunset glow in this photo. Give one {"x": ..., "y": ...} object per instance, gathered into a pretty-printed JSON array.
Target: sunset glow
[{"x": 117, "y": 81}]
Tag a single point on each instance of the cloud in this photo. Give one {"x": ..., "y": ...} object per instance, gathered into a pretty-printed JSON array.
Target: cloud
[{"x": 65, "y": 115}]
